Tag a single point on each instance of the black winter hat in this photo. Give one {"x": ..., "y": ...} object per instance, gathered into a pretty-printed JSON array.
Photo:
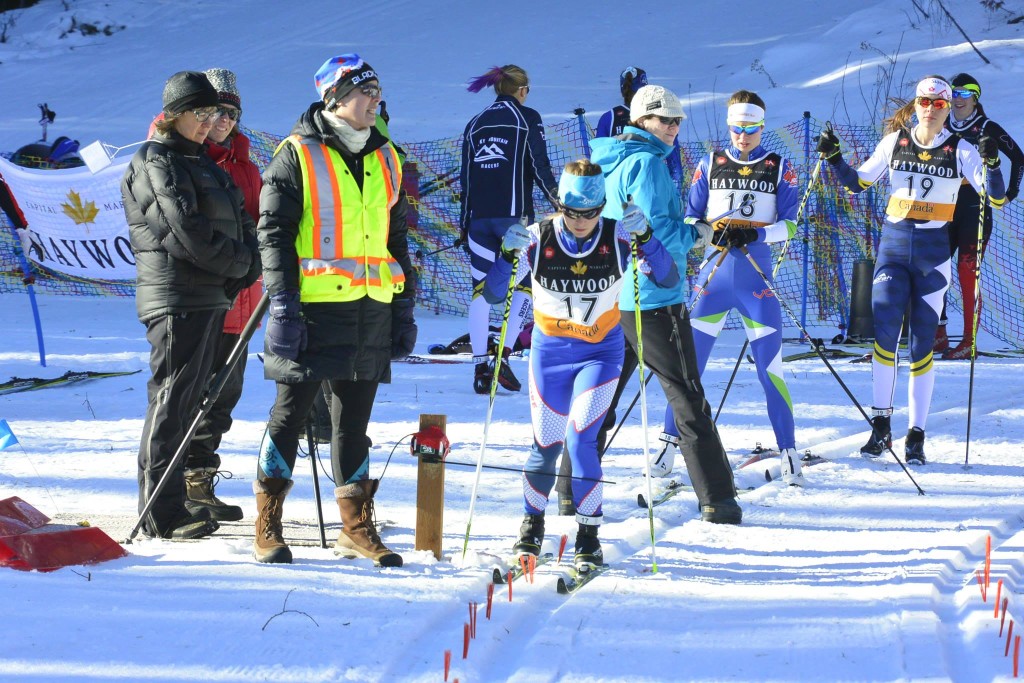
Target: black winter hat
[
  {"x": 967, "y": 81},
  {"x": 188, "y": 90}
]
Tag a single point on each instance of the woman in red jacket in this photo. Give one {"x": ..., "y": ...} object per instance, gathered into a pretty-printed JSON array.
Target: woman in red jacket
[{"x": 229, "y": 148}]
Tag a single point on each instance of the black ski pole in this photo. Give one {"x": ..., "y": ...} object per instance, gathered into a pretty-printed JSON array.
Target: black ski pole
[
  {"x": 735, "y": 369},
  {"x": 313, "y": 457},
  {"x": 821, "y": 355},
  {"x": 980, "y": 245},
  {"x": 622, "y": 420},
  {"x": 206, "y": 403}
]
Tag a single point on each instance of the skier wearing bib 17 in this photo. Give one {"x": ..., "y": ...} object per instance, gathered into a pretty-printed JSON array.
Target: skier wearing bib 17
[
  {"x": 925, "y": 164},
  {"x": 576, "y": 259}
]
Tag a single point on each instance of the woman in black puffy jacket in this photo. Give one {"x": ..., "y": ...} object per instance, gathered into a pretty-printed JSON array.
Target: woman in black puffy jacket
[{"x": 195, "y": 249}]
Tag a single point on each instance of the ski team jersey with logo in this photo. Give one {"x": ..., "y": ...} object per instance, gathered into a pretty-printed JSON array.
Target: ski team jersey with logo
[
  {"x": 924, "y": 180},
  {"x": 972, "y": 128},
  {"x": 753, "y": 185},
  {"x": 577, "y": 294},
  {"x": 503, "y": 153}
]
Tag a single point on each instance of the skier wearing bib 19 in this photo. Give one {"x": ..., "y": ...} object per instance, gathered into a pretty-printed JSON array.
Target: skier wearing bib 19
[
  {"x": 765, "y": 186},
  {"x": 968, "y": 120},
  {"x": 925, "y": 164},
  {"x": 577, "y": 260}
]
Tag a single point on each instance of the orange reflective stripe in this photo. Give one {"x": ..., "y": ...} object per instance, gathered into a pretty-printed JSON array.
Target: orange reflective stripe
[
  {"x": 385, "y": 167},
  {"x": 314, "y": 198}
]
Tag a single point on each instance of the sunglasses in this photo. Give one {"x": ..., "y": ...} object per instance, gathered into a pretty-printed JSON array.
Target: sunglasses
[
  {"x": 372, "y": 91},
  {"x": 934, "y": 102},
  {"x": 749, "y": 130},
  {"x": 963, "y": 94},
  {"x": 233, "y": 114},
  {"x": 204, "y": 115},
  {"x": 582, "y": 213},
  {"x": 670, "y": 120}
]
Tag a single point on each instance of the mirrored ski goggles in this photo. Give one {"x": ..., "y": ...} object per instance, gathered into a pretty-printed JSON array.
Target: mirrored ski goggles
[
  {"x": 749, "y": 130},
  {"x": 233, "y": 114},
  {"x": 570, "y": 212},
  {"x": 934, "y": 103},
  {"x": 963, "y": 93}
]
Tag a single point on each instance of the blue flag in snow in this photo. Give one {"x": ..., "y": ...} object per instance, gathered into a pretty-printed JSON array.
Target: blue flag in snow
[{"x": 7, "y": 437}]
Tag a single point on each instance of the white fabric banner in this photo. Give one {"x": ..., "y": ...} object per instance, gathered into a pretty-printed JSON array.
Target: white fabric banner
[{"x": 75, "y": 219}]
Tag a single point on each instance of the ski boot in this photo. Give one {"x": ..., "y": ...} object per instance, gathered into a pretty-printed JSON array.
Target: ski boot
[
  {"x": 914, "y": 449},
  {"x": 588, "y": 553},
  {"x": 792, "y": 472},
  {"x": 726, "y": 511},
  {"x": 662, "y": 463},
  {"x": 961, "y": 352},
  {"x": 482, "y": 375},
  {"x": 506, "y": 379},
  {"x": 881, "y": 433},
  {"x": 531, "y": 536}
]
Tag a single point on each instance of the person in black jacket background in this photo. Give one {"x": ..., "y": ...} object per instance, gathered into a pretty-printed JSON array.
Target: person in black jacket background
[
  {"x": 967, "y": 118},
  {"x": 504, "y": 153},
  {"x": 195, "y": 249}
]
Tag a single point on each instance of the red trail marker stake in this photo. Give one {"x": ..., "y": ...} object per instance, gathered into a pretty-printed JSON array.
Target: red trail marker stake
[
  {"x": 980, "y": 576},
  {"x": 472, "y": 619},
  {"x": 447, "y": 663},
  {"x": 1003, "y": 620},
  {"x": 490, "y": 598},
  {"x": 988, "y": 561},
  {"x": 999, "y": 594},
  {"x": 509, "y": 581},
  {"x": 465, "y": 641},
  {"x": 561, "y": 546},
  {"x": 1016, "y": 654},
  {"x": 1009, "y": 636}
]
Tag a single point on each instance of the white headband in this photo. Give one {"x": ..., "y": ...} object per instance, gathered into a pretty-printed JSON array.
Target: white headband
[
  {"x": 744, "y": 113},
  {"x": 934, "y": 87}
]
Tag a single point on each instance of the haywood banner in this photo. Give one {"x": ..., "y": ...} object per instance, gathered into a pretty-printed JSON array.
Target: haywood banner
[{"x": 75, "y": 219}]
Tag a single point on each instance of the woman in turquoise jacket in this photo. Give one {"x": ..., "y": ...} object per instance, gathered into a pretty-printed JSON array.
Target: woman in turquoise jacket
[{"x": 634, "y": 168}]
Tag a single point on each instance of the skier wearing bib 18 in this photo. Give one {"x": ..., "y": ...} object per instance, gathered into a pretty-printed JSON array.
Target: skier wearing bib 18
[
  {"x": 925, "y": 164},
  {"x": 765, "y": 186}
]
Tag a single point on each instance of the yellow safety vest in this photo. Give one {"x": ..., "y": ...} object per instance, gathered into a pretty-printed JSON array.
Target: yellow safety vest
[{"x": 343, "y": 235}]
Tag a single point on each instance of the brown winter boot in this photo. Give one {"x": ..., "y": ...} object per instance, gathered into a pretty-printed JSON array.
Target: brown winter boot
[
  {"x": 199, "y": 483},
  {"x": 269, "y": 545},
  {"x": 359, "y": 536}
]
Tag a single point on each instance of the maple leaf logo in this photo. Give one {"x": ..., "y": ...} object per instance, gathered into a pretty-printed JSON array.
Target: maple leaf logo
[
  {"x": 80, "y": 213},
  {"x": 745, "y": 171},
  {"x": 924, "y": 156},
  {"x": 578, "y": 268}
]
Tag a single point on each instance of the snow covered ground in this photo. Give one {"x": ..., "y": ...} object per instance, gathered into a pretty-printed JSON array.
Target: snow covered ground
[{"x": 852, "y": 577}]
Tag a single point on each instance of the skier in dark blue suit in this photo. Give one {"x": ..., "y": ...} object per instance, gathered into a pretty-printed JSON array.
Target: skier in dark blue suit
[
  {"x": 613, "y": 121},
  {"x": 926, "y": 165},
  {"x": 503, "y": 154}
]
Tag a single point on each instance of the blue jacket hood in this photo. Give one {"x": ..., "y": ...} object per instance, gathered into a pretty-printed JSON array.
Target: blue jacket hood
[{"x": 609, "y": 152}]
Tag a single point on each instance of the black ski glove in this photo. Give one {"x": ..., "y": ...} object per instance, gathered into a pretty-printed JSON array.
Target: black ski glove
[
  {"x": 403, "y": 327},
  {"x": 741, "y": 237},
  {"x": 988, "y": 149},
  {"x": 828, "y": 145}
]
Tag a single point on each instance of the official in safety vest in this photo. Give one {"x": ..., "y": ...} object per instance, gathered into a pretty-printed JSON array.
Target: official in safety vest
[{"x": 333, "y": 232}]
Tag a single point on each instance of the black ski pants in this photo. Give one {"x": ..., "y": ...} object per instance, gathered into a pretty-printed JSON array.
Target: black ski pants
[
  {"x": 668, "y": 353},
  {"x": 202, "y": 452},
  {"x": 182, "y": 349},
  {"x": 351, "y": 404}
]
